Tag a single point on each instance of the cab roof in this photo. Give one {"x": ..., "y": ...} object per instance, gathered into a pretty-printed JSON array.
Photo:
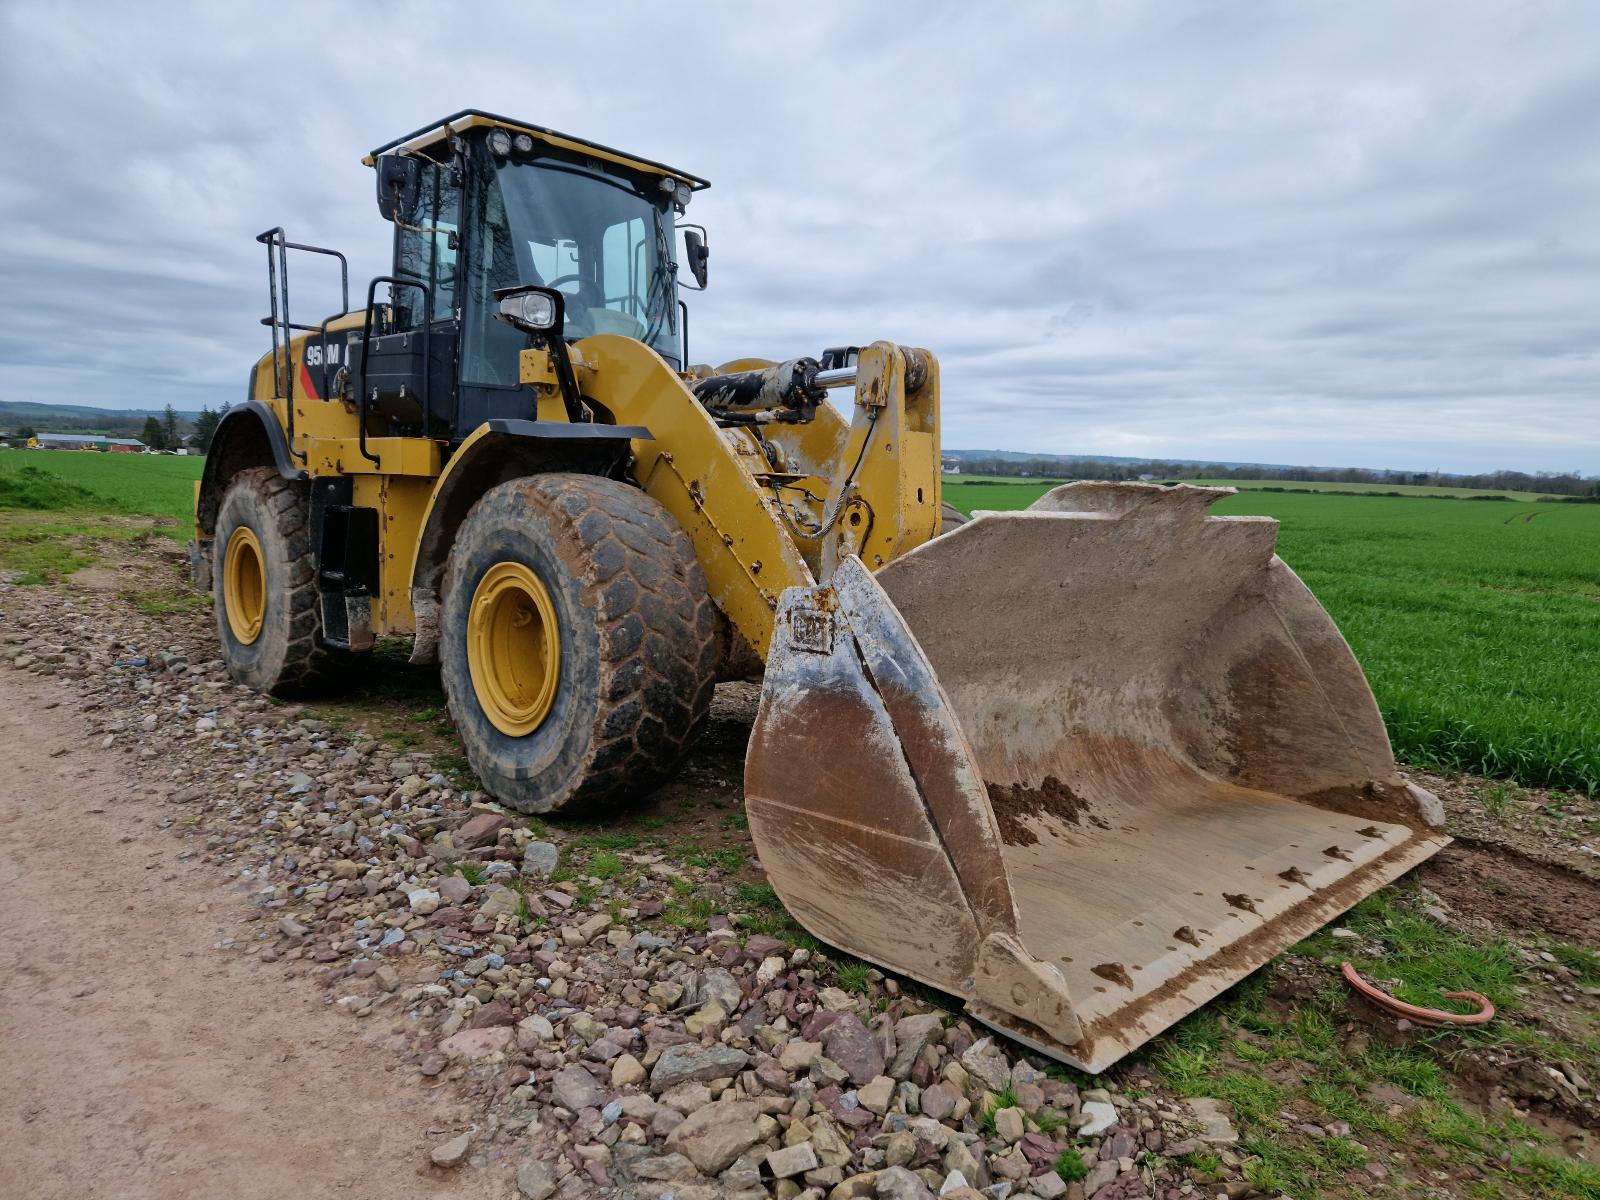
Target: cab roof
[{"x": 470, "y": 118}]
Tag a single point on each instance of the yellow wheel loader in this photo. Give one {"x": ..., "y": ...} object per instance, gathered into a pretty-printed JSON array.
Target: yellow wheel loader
[{"x": 1082, "y": 766}]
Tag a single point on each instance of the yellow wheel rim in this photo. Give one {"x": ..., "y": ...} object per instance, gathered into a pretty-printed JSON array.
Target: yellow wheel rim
[
  {"x": 244, "y": 585},
  {"x": 513, "y": 648}
]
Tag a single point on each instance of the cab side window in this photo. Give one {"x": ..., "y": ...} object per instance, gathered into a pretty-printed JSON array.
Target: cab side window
[
  {"x": 427, "y": 251},
  {"x": 623, "y": 251},
  {"x": 489, "y": 347}
]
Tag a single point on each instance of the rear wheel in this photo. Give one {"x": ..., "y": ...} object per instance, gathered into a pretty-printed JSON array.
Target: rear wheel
[
  {"x": 578, "y": 643},
  {"x": 269, "y": 620}
]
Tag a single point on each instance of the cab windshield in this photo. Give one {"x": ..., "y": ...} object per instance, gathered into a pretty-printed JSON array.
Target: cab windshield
[{"x": 596, "y": 238}]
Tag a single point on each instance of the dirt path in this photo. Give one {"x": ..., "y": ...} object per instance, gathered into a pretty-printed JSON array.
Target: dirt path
[{"x": 136, "y": 1059}]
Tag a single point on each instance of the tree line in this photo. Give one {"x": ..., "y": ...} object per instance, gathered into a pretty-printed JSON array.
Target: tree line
[
  {"x": 166, "y": 431},
  {"x": 1556, "y": 483}
]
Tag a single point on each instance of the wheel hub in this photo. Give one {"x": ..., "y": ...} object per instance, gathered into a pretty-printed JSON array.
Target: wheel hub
[
  {"x": 513, "y": 648},
  {"x": 244, "y": 585}
]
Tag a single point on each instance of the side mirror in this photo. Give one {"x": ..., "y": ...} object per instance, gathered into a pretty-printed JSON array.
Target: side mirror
[
  {"x": 694, "y": 241},
  {"x": 399, "y": 186}
]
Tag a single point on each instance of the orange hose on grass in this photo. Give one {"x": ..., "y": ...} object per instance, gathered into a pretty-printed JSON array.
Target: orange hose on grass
[{"x": 1421, "y": 1016}]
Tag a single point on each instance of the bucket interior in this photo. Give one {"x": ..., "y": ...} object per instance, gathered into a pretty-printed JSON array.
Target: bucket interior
[
  {"x": 1148, "y": 883},
  {"x": 1178, "y": 749}
]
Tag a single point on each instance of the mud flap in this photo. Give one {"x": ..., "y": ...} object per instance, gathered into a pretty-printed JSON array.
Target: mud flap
[{"x": 1082, "y": 767}]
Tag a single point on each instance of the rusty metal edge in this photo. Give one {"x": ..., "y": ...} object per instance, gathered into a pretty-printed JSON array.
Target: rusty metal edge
[{"x": 1109, "y": 1042}]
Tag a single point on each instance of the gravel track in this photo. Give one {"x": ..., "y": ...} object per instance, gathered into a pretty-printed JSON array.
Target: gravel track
[{"x": 138, "y": 1063}]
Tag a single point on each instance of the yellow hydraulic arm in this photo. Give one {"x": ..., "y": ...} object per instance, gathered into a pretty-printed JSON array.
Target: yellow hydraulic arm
[{"x": 747, "y": 528}]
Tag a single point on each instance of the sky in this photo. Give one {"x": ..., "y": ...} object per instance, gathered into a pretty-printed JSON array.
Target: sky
[{"x": 1341, "y": 234}]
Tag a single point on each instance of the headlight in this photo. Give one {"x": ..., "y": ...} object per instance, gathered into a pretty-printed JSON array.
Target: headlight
[
  {"x": 500, "y": 142},
  {"x": 523, "y": 143},
  {"x": 533, "y": 311},
  {"x": 682, "y": 194}
]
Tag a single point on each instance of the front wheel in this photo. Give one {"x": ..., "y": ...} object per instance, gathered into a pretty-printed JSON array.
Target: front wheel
[
  {"x": 264, "y": 586},
  {"x": 578, "y": 645}
]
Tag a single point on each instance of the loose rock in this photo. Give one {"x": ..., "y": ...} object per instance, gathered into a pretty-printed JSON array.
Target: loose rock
[
  {"x": 852, "y": 1045},
  {"x": 1213, "y": 1116},
  {"x": 1100, "y": 1115},
  {"x": 627, "y": 1071},
  {"x": 539, "y": 859},
  {"x": 574, "y": 1088},
  {"x": 716, "y": 1135},
  {"x": 535, "y": 1180},
  {"x": 984, "y": 1061},
  {"x": 681, "y": 1064},
  {"x": 451, "y": 1153},
  {"x": 792, "y": 1160}
]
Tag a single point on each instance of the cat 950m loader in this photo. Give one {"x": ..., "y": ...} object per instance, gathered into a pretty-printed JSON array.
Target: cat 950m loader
[{"x": 1081, "y": 767}]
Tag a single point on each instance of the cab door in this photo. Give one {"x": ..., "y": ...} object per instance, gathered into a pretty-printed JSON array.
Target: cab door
[{"x": 411, "y": 364}]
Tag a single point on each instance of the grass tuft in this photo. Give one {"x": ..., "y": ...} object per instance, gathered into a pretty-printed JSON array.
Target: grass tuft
[
  {"x": 607, "y": 840},
  {"x": 1070, "y": 1166},
  {"x": 759, "y": 896},
  {"x": 1499, "y": 797},
  {"x": 993, "y": 1102},
  {"x": 1581, "y": 961},
  {"x": 31, "y": 489},
  {"x": 163, "y": 603},
  {"x": 1552, "y": 1176},
  {"x": 853, "y": 977},
  {"x": 729, "y": 858},
  {"x": 689, "y": 911}
]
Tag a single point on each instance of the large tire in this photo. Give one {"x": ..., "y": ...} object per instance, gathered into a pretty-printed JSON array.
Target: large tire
[
  {"x": 272, "y": 635},
  {"x": 635, "y": 643}
]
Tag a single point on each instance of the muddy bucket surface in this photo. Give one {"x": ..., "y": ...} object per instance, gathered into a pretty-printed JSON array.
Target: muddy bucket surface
[{"x": 1082, "y": 766}]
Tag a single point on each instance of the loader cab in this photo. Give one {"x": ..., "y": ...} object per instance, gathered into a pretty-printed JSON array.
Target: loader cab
[{"x": 481, "y": 204}]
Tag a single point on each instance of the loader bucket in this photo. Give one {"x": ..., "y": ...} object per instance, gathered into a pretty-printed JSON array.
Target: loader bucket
[{"x": 1082, "y": 767}]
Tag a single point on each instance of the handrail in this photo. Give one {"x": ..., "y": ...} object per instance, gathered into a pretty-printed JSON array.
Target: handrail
[{"x": 278, "y": 283}]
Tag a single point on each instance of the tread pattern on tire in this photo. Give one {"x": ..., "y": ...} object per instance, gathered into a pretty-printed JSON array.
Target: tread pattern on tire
[
  {"x": 659, "y": 651},
  {"x": 287, "y": 503}
]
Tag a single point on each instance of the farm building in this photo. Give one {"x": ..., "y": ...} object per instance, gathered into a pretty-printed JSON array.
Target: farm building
[{"x": 86, "y": 441}]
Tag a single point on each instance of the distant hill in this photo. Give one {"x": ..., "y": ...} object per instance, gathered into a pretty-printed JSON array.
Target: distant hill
[
  {"x": 1034, "y": 456},
  {"x": 78, "y": 416},
  {"x": 1007, "y": 463}
]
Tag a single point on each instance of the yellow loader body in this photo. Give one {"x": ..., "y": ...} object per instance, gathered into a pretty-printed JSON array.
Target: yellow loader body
[{"x": 1081, "y": 766}]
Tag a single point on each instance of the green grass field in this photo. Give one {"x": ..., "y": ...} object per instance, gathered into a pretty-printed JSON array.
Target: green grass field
[
  {"x": 1369, "y": 489},
  {"x": 130, "y": 484},
  {"x": 1040, "y": 486},
  {"x": 1478, "y": 623}
]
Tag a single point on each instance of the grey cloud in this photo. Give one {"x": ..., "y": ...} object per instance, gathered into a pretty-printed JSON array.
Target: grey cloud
[{"x": 1334, "y": 233}]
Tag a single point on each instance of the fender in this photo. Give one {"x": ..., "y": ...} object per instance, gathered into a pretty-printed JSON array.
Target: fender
[
  {"x": 248, "y": 435},
  {"x": 495, "y": 452},
  {"x": 694, "y": 471}
]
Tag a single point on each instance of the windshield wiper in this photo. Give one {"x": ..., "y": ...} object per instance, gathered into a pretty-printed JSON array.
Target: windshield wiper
[{"x": 657, "y": 301}]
